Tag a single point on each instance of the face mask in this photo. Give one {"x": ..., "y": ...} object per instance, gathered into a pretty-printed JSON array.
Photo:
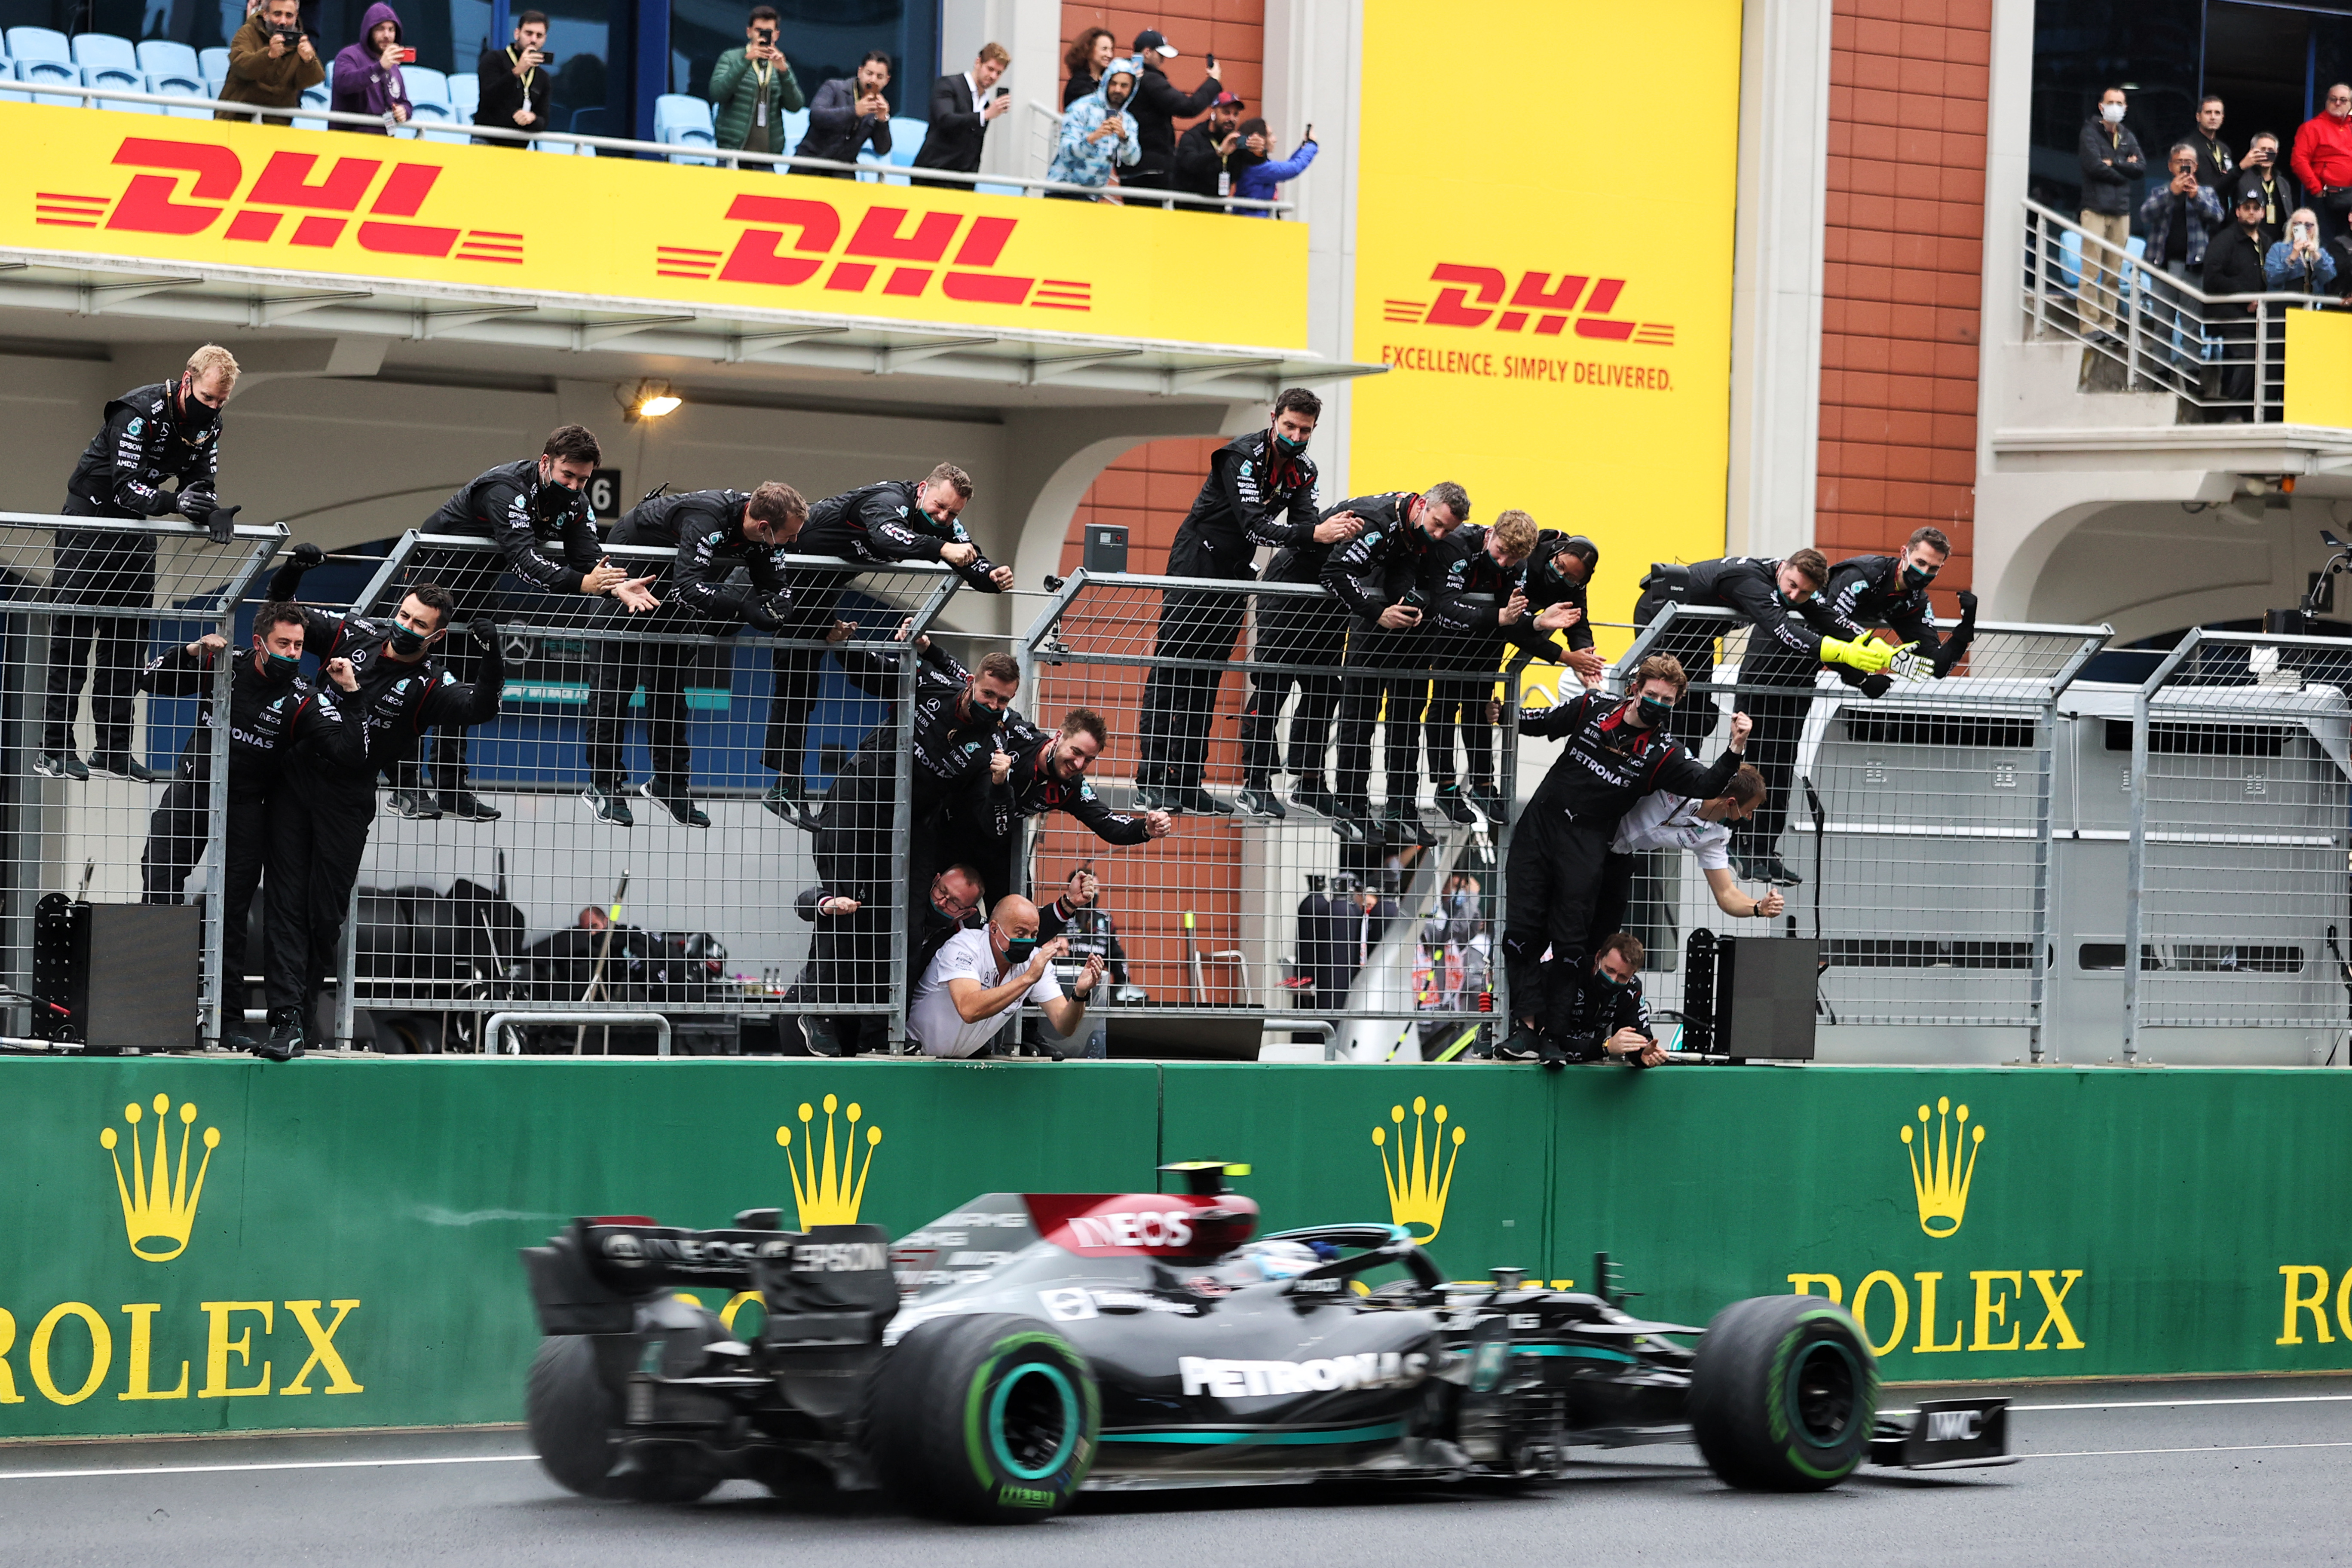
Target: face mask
[
  {"x": 1656, "y": 711},
  {"x": 1917, "y": 576},
  {"x": 406, "y": 640},
  {"x": 1018, "y": 949},
  {"x": 2113, "y": 113},
  {"x": 551, "y": 500},
  {"x": 1610, "y": 980},
  {"x": 984, "y": 716},
  {"x": 277, "y": 670},
  {"x": 1289, "y": 446},
  {"x": 194, "y": 414}
]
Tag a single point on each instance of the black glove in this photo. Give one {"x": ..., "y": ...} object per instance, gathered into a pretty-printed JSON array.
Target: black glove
[
  {"x": 485, "y": 631},
  {"x": 761, "y": 615},
  {"x": 306, "y": 556},
  {"x": 221, "y": 524},
  {"x": 1968, "y": 603},
  {"x": 1876, "y": 685},
  {"x": 195, "y": 505}
]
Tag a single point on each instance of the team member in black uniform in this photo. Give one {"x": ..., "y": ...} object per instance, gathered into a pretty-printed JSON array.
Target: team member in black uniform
[
  {"x": 1476, "y": 583},
  {"x": 1892, "y": 591},
  {"x": 1611, "y": 1018},
  {"x": 1048, "y": 773},
  {"x": 1793, "y": 632},
  {"x": 873, "y": 525},
  {"x": 525, "y": 507},
  {"x": 713, "y": 532},
  {"x": 1618, "y": 750},
  {"x": 1559, "y": 575},
  {"x": 1078, "y": 915},
  {"x": 320, "y": 829},
  {"x": 1378, "y": 574},
  {"x": 153, "y": 435},
  {"x": 1260, "y": 492},
  {"x": 272, "y": 711},
  {"x": 1297, "y": 631}
]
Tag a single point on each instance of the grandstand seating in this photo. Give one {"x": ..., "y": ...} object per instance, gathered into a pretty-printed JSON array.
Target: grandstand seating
[
  {"x": 465, "y": 95},
  {"x": 162, "y": 57},
  {"x": 425, "y": 86},
  {"x": 109, "y": 61},
  {"x": 213, "y": 66},
  {"x": 42, "y": 55},
  {"x": 684, "y": 120},
  {"x": 181, "y": 84}
]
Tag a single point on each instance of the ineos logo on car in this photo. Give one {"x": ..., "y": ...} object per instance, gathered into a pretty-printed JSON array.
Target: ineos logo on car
[{"x": 1172, "y": 1227}]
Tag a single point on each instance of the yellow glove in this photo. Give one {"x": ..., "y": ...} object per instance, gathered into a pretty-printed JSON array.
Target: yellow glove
[{"x": 1867, "y": 653}]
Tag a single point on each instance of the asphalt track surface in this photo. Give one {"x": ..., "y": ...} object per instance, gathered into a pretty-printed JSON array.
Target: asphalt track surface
[{"x": 2253, "y": 1470}]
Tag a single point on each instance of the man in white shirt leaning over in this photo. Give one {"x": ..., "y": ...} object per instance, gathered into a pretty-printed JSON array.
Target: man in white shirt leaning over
[
  {"x": 974, "y": 986},
  {"x": 1664, "y": 821}
]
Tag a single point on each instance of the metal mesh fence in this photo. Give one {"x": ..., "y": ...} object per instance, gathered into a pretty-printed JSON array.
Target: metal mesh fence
[
  {"x": 2241, "y": 802},
  {"x": 1924, "y": 868},
  {"x": 1372, "y": 900},
  {"x": 109, "y": 833}
]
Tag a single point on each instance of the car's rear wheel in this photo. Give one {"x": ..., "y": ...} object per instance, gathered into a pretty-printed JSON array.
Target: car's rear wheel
[
  {"x": 990, "y": 1417},
  {"x": 1783, "y": 1394},
  {"x": 575, "y": 1419}
]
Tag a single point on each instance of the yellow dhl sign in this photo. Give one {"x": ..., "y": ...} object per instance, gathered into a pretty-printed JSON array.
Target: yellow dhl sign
[{"x": 308, "y": 202}]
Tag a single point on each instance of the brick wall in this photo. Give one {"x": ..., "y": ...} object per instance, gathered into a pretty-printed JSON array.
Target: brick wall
[{"x": 1905, "y": 254}]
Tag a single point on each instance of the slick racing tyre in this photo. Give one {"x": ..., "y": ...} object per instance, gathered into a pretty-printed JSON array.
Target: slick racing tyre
[
  {"x": 989, "y": 1417},
  {"x": 575, "y": 1419},
  {"x": 1783, "y": 1394}
]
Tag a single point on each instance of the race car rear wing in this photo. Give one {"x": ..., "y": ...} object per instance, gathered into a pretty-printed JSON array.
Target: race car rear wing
[{"x": 829, "y": 1284}]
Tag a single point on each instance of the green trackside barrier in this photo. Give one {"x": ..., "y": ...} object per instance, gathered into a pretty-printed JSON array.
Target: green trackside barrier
[{"x": 330, "y": 1244}]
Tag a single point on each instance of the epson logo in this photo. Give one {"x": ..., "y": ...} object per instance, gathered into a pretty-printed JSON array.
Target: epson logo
[
  {"x": 1146, "y": 1228},
  {"x": 840, "y": 1257},
  {"x": 1259, "y": 1379}
]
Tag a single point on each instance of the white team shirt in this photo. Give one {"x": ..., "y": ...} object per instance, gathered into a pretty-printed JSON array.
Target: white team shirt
[
  {"x": 1664, "y": 821},
  {"x": 933, "y": 1019}
]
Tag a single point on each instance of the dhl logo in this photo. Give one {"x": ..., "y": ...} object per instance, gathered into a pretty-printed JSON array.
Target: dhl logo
[
  {"x": 1477, "y": 297},
  {"x": 904, "y": 249},
  {"x": 322, "y": 208}
]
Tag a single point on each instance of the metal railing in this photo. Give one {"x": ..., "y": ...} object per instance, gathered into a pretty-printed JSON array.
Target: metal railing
[
  {"x": 1919, "y": 821},
  {"x": 2240, "y": 897},
  {"x": 2223, "y": 354},
  {"x": 455, "y": 132}
]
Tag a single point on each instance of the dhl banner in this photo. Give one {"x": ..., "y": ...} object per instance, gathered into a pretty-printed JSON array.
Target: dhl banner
[
  {"x": 203, "y": 1245},
  {"x": 1544, "y": 258},
  {"x": 319, "y": 204}
]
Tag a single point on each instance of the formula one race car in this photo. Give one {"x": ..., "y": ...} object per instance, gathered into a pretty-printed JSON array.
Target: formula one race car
[{"x": 1049, "y": 1343}]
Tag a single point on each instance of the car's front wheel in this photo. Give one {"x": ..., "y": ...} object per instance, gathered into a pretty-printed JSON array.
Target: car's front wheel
[
  {"x": 988, "y": 1417},
  {"x": 1783, "y": 1394}
]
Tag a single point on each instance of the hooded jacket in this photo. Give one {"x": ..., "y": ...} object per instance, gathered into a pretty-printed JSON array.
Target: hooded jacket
[
  {"x": 362, "y": 84},
  {"x": 254, "y": 78},
  {"x": 1083, "y": 162},
  {"x": 1259, "y": 179}
]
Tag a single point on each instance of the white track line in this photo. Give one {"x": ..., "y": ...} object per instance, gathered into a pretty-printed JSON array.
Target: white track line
[
  {"x": 2228, "y": 1449},
  {"x": 274, "y": 1465},
  {"x": 2184, "y": 1403}
]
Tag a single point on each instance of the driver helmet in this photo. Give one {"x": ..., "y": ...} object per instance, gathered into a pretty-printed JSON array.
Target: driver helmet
[{"x": 1269, "y": 1260}]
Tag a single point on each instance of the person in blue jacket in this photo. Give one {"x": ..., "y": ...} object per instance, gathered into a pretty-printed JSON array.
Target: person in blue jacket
[{"x": 1256, "y": 175}]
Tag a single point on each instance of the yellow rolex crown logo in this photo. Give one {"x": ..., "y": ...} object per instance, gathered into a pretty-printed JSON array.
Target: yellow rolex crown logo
[
  {"x": 1940, "y": 1175},
  {"x": 825, "y": 1189},
  {"x": 159, "y": 1206},
  {"x": 1417, "y": 1188}
]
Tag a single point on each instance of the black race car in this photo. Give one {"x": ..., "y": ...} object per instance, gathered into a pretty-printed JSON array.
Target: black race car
[{"x": 1028, "y": 1346}]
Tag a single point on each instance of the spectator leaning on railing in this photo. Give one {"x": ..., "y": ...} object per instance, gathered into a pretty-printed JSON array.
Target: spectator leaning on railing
[
  {"x": 1257, "y": 176},
  {"x": 2323, "y": 162},
  {"x": 270, "y": 61},
  {"x": 367, "y": 74},
  {"x": 753, "y": 87},
  {"x": 962, "y": 103},
  {"x": 515, "y": 86},
  {"x": 847, "y": 114},
  {"x": 2112, "y": 161},
  {"x": 1096, "y": 134}
]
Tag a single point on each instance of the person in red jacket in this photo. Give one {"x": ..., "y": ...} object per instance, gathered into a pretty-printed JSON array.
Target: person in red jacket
[{"x": 2323, "y": 162}]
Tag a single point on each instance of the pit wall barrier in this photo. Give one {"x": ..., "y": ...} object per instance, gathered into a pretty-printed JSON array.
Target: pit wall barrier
[{"x": 325, "y": 1245}]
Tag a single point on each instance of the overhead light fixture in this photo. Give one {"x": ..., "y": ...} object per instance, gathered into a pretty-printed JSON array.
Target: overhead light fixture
[{"x": 649, "y": 400}]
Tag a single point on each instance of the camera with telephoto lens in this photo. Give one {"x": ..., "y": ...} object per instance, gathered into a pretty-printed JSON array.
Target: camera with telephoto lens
[{"x": 291, "y": 37}]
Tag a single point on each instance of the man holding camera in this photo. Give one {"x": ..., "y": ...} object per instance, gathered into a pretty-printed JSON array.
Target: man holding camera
[
  {"x": 515, "y": 83},
  {"x": 524, "y": 507},
  {"x": 1158, "y": 104},
  {"x": 713, "y": 532},
  {"x": 753, "y": 89},
  {"x": 961, "y": 106},
  {"x": 153, "y": 435},
  {"x": 848, "y": 115},
  {"x": 1202, "y": 151},
  {"x": 270, "y": 61}
]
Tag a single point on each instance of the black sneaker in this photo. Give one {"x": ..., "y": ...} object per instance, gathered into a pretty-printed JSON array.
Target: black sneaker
[
  {"x": 236, "y": 1039},
  {"x": 1402, "y": 823},
  {"x": 608, "y": 807},
  {"x": 285, "y": 1036},
  {"x": 60, "y": 765},
  {"x": 1482, "y": 793},
  {"x": 1149, "y": 798},
  {"x": 412, "y": 804},
  {"x": 466, "y": 806},
  {"x": 678, "y": 803},
  {"x": 783, "y": 799},
  {"x": 122, "y": 766},
  {"x": 1350, "y": 817},
  {"x": 1522, "y": 1045},
  {"x": 1453, "y": 808},
  {"x": 1775, "y": 870},
  {"x": 822, "y": 1037},
  {"x": 1258, "y": 799},
  {"x": 1310, "y": 796},
  {"x": 1199, "y": 801}
]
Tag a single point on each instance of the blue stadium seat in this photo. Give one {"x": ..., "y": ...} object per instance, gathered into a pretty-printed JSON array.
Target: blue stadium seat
[
  {"x": 39, "y": 44},
  {"x": 163, "y": 57},
  {"x": 315, "y": 97},
  {"x": 986, "y": 189},
  {"x": 790, "y": 127},
  {"x": 591, "y": 151},
  {"x": 105, "y": 49},
  {"x": 906, "y": 139},
  {"x": 465, "y": 96},
  {"x": 176, "y": 84},
  {"x": 426, "y": 85},
  {"x": 119, "y": 107},
  {"x": 213, "y": 64},
  {"x": 122, "y": 78},
  {"x": 684, "y": 120}
]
